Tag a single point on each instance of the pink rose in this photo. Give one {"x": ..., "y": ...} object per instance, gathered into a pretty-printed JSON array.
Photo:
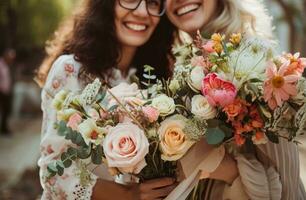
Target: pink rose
[
  {"x": 151, "y": 112},
  {"x": 209, "y": 46},
  {"x": 74, "y": 121},
  {"x": 218, "y": 91},
  {"x": 125, "y": 147}
]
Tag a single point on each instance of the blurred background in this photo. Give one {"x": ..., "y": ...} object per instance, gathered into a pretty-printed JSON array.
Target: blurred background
[{"x": 25, "y": 25}]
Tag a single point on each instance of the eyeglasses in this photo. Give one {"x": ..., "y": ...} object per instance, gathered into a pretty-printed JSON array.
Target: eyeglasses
[{"x": 154, "y": 7}]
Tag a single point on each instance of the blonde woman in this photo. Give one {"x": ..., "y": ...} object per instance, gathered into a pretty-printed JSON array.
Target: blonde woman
[{"x": 273, "y": 171}]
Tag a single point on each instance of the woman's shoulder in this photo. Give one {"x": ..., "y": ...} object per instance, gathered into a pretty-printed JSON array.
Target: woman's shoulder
[{"x": 64, "y": 74}]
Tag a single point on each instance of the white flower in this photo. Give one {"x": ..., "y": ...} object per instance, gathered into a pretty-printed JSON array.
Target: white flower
[
  {"x": 201, "y": 108},
  {"x": 249, "y": 60},
  {"x": 63, "y": 115},
  {"x": 59, "y": 99},
  {"x": 91, "y": 132},
  {"x": 196, "y": 77},
  {"x": 164, "y": 104},
  {"x": 122, "y": 92},
  {"x": 90, "y": 92}
]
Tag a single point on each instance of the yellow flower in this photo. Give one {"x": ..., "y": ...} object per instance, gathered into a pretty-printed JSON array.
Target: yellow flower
[
  {"x": 217, "y": 37},
  {"x": 218, "y": 48},
  {"x": 235, "y": 39}
]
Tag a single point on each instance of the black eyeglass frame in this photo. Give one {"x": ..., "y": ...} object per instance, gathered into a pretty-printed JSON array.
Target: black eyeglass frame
[{"x": 132, "y": 9}]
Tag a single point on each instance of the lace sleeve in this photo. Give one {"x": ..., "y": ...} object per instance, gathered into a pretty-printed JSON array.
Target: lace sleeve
[{"x": 77, "y": 182}]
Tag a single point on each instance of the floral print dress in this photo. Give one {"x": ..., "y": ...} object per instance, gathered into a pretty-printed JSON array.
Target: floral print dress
[{"x": 78, "y": 180}]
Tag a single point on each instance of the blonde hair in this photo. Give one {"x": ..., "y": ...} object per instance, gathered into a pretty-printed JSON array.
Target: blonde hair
[{"x": 246, "y": 16}]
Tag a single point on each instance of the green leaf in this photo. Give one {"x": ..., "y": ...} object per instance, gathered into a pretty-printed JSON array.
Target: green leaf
[
  {"x": 148, "y": 68},
  {"x": 62, "y": 128},
  {"x": 100, "y": 97},
  {"x": 152, "y": 77},
  {"x": 83, "y": 153},
  {"x": 273, "y": 137},
  {"x": 65, "y": 157},
  {"x": 60, "y": 163},
  {"x": 96, "y": 157},
  {"x": 214, "y": 136},
  {"x": 60, "y": 170},
  {"x": 80, "y": 140},
  {"x": 72, "y": 153},
  {"x": 227, "y": 131},
  {"x": 52, "y": 167}
]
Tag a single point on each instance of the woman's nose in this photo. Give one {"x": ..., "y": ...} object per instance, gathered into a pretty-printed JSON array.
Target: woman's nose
[{"x": 141, "y": 10}]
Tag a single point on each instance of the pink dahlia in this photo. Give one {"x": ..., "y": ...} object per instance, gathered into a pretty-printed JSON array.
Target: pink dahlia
[
  {"x": 218, "y": 91},
  {"x": 279, "y": 86}
]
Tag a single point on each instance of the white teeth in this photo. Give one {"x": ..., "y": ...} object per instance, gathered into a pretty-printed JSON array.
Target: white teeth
[
  {"x": 187, "y": 9},
  {"x": 136, "y": 27}
]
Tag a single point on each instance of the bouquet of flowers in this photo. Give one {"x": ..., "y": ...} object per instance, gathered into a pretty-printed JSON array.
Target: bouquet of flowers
[
  {"x": 241, "y": 90},
  {"x": 221, "y": 91}
]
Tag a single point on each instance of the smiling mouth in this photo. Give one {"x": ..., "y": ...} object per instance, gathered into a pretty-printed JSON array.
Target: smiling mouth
[
  {"x": 187, "y": 9},
  {"x": 135, "y": 27}
]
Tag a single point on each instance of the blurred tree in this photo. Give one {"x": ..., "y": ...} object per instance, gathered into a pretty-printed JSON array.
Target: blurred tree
[
  {"x": 26, "y": 24},
  {"x": 294, "y": 14}
]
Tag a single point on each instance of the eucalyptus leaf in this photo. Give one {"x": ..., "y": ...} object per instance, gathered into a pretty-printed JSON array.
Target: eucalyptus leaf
[
  {"x": 100, "y": 97},
  {"x": 72, "y": 153},
  {"x": 148, "y": 68},
  {"x": 60, "y": 170},
  {"x": 52, "y": 167},
  {"x": 150, "y": 77},
  {"x": 96, "y": 157},
  {"x": 62, "y": 128},
  {"x": 214, "y": 136},
  {"x": 83, "y": 153}
]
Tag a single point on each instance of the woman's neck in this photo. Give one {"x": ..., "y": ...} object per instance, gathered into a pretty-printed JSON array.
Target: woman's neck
[{"x": 127, "y": 55}]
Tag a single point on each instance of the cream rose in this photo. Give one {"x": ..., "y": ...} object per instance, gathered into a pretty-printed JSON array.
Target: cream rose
[
  {"x": 125, "y": 147},
  {"x": 201, "y": 108},
  {"x": 122, "y": 92},
  {"x": 164, "y": 104},
  {"x": 196, "y": 77},
  {"x": 173, "y": 141}
]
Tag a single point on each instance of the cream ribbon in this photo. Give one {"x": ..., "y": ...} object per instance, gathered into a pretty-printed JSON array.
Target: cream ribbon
[{"x": 207, "y": 165}]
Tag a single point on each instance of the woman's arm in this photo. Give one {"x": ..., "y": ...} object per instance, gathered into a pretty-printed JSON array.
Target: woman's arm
[{"x": 150, "y": 190}]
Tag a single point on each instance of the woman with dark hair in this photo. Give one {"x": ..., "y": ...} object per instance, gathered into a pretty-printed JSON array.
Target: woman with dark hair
[{"x": 105, "y": 39}]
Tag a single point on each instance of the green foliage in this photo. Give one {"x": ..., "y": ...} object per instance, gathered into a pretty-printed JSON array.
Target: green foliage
[
  {"x": 29, "y": 23},
  {"x": 217, "y": 131}
]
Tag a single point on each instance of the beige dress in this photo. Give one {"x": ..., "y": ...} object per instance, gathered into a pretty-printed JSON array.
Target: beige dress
[{"x": 274, "y": 175}]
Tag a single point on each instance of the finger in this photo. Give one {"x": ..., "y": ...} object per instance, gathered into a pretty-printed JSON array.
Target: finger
[
  {"x": 163, "y": 192},
  {"x": 157, "y": 183}
]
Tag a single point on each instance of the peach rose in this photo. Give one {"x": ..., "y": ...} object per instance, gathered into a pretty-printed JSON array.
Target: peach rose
[
  {"x": 125, "y": 147},
  {"x": 173, "y": 141}
]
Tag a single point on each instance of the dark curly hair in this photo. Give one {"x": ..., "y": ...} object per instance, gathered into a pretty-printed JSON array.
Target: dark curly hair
[{"x": 91, "y": 36}]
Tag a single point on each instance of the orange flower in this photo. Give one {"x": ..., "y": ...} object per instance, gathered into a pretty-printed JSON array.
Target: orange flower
[
  {"x": 232, "y": 110},
  {"x": 239, "y": 139}
]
